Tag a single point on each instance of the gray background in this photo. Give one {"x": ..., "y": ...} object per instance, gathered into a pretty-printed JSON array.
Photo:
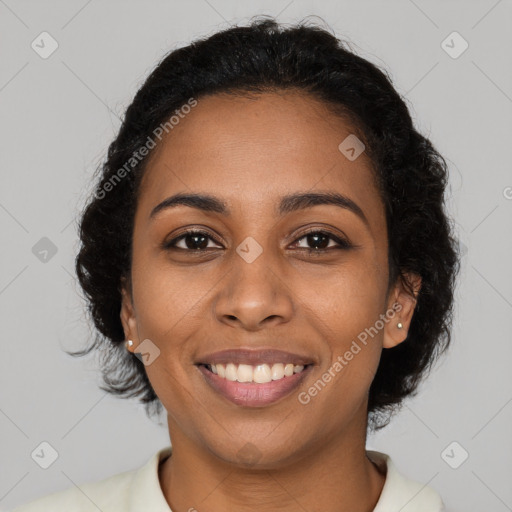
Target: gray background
[{"x": 58, "y": 116}]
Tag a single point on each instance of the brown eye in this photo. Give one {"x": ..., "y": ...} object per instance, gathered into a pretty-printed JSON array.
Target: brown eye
[
  {"x": 320, "y": 240},
  {"x": 193, "y": 240}
]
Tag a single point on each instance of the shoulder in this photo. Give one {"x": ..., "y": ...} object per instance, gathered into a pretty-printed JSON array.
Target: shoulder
[
  {"x": 122, "y": 492},
  {"x": 89, "y": 496},
  {"x": 402, "y": 493}
]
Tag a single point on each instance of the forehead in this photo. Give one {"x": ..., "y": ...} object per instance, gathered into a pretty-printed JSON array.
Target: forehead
[{"x": 257, "y": 149}]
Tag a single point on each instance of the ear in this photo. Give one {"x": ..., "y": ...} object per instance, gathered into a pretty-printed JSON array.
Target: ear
[
  {"x": 127, "y": 315},
  {"x": 403, "y": 302}
]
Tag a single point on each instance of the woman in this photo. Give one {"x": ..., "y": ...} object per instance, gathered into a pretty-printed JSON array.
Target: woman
[{"x": 267, "y": 256}]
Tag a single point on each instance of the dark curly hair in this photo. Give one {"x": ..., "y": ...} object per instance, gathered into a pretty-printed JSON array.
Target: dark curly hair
[{"x": 410, "y": 174}]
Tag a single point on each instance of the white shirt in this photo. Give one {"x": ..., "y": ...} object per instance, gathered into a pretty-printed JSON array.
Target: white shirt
[{"x": 139, "y": 490}]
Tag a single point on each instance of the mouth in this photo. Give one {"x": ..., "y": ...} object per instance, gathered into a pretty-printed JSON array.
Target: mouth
[{"x": 254, "y": 385}]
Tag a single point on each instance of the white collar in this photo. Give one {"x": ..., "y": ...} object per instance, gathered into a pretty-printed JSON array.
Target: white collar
[{"x": 402, "y": 494}]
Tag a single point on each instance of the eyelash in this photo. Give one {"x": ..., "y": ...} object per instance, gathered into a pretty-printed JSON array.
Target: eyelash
[{"x": 342, "y": 244}]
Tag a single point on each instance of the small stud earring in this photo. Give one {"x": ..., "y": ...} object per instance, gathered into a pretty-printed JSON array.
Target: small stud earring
[
  {"x": 399, "y": 325},
  {"x": 128, "y": 343}
]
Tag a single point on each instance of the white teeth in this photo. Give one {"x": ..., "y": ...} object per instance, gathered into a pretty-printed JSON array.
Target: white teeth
[
  {"x": 221, "y": 370},
  {"x": 277, "y": 371},
  {"x": 231, "y": 373},
  {"x": 260, "y": 374},
  {"x": 244, "y": 373}
]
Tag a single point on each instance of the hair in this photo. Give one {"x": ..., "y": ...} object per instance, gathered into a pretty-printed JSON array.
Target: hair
[{"x": 410, "y": 174}]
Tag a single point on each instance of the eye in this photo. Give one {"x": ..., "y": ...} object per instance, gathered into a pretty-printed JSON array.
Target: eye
[
  {"x": 194, "y": 240},
  {"x": 320, "y": 240}
]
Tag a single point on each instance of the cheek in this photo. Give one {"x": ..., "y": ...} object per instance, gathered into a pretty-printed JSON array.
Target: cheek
[
  {"x": 167, "y": 297},
  {"x": 170, "y": 311},
  {"x": 347, "y": 297},
  {"x": 167, "y": 311},
  {"x": 347, "y": 308}
]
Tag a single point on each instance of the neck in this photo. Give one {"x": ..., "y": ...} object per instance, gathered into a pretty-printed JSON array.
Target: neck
[{"x": 336, "y": 476}]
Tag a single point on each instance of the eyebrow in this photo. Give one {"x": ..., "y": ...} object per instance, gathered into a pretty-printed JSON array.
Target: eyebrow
[{"x": 288, "y": 204}]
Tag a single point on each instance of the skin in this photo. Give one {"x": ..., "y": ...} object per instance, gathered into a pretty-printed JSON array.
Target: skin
[{"x": 250, "y": 152}]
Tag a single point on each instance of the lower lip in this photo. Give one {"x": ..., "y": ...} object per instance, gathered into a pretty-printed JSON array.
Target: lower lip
[{"x": 251, "y": 394}]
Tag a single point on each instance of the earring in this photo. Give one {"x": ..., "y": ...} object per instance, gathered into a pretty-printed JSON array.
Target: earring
[
  {"x": 399, "y": 325},
  {"x": 128, "y": 343}
]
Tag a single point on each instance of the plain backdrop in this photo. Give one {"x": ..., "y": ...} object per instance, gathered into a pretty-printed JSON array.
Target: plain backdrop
[{"x": 58, "y": 114}]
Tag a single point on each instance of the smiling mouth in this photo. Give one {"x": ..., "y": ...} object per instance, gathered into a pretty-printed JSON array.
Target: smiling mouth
[
  {"x": 259, "y": 385},
  {"x": 260, "y": 373}
]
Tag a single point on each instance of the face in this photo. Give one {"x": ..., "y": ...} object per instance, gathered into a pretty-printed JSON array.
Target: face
[{"x": 266, "y": 273}]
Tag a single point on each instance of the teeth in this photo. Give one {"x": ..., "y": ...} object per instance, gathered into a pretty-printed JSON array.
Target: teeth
[
  {"x": 231, "y": 373},
  {"x": 260, "y": 373},
  {"x": 244, "y": 373},
  {"x": 277, "y": 371}
]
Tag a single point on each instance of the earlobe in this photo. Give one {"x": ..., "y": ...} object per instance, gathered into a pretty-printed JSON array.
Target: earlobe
[{"x": 402, "y": 303}]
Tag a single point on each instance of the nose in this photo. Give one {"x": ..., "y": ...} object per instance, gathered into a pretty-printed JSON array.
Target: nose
[{"x": 254, "y": 295}]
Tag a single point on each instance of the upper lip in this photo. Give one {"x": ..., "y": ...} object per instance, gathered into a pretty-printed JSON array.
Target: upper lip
[{"x": 254, "y": 357}]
